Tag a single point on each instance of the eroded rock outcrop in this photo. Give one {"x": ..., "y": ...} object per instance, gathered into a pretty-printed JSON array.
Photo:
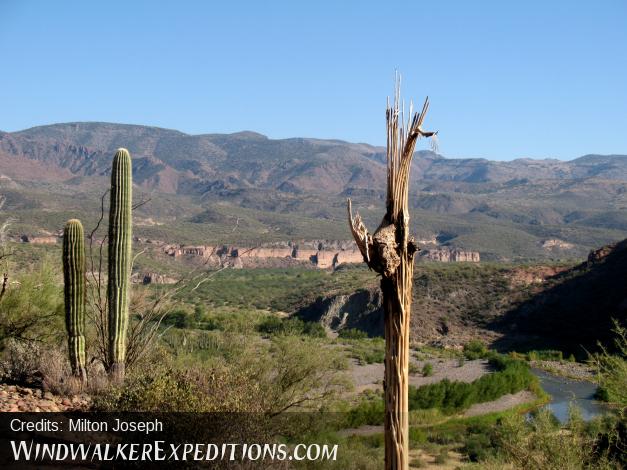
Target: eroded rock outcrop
[
  {"x": 361, "y": 310},
  {"x": 445, "y": 255},
  {"x": 323, "y": 254},
  {"x": 556, "y": 244}
]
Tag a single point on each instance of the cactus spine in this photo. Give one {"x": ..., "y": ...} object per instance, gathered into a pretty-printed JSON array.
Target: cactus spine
[
  {"x": 119, "y": 266},
  {"x": 74, "y": 294}
]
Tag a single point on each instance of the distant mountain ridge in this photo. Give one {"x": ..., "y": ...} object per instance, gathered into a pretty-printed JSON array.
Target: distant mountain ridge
[
  {"x": 202, "y": 186},
  {"x": 174, "y": 162}
]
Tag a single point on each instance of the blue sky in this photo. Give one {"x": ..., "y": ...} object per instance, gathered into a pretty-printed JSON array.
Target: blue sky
[{"x": 506, "y": 79}]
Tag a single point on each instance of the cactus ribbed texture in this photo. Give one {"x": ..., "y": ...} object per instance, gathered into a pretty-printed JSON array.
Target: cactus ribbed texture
[
  {"x": 120, "y": 226},
  {"x": 74, "y": 294}
]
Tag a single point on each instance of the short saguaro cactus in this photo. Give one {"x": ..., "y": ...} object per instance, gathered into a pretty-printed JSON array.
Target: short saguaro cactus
[{"x": 74, "y": 294}]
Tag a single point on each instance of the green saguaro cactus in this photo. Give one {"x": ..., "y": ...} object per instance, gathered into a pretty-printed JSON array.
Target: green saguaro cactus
[
  {"x": 74, "y": 294},
  {"x": 120, "y": 227}
]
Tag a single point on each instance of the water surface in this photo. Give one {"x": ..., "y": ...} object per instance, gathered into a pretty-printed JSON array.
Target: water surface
[{"x": 565, "y": 392}]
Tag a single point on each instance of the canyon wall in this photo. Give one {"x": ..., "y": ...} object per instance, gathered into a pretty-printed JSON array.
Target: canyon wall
[
  {"x": 323, "y": 254},
  {"x": 445, "y": 255}
]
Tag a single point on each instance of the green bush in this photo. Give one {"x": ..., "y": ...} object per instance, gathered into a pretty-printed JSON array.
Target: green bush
[
  {"x": 417, "y": 436},
  {"x": 478, "y": 446},
  {"x": 32, "y": 309},
  {"x": 291, "y": 327},
  {"x": 475, "y": 349},
  {"x": 510, "y": 376},
  {"x": 427, "y": 370},
  {"x": 178, "y": 318},
  {"x": 611, "y": 369},
  {"x": 352, "y": 333},
  {"x": 545, "y": 355},
  {"x": 370, "y": 410},
  {"x": 367, "y": 351}
]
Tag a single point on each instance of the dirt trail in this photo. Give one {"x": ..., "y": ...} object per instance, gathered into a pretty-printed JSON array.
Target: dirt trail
[{"x": 370, "y": 376}]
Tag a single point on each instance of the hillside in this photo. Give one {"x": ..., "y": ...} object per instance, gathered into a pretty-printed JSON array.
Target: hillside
[
  {"x": 577, "y": 307},
  {"x": 247, "y": 188},
  {"x": 514, "y": 307}
]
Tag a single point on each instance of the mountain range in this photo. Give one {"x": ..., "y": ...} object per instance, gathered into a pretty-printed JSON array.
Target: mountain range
[{"x": 201, "y": 186}]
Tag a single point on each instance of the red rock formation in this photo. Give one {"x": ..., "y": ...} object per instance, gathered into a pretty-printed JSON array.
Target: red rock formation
[
  {"x": 348, "y": 256},
  {"x": 261, "y": 252}
]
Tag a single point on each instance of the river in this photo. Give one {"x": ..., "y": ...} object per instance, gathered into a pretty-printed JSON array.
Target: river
[{"x": 565, "y": 392}]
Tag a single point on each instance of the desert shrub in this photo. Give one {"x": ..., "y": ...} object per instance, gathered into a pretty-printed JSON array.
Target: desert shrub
[
  {"x": 314, "y": 329},
  {"x": 545, "y": 355},
  {"x": 46, "y": 366},
  {"x": 478, "y": 447},
  {"x": 369, "y": 410},
  {"x": 475, "y": 349},
  {"x": 367, "y": 351},
  {"x": 413, "y": 368},
  {"x": 417, "y": 436},
  {"x": 21, "y": 363},
  {"x": 541, "y": 443},
  {"x": 302, "y": 375},
  {"x": 611, "y": 369},
  {"x": 427, "y": 369},
  {"x": 511, "y": 376},
  {"x": 178, "y": 318},
  {"x": 32, "y": 309},
  {"x": 199, "y": 313},
  {"x": 356, "y": 452},
  {"x": 442, "y": 456},
  {"x": 198, "y": 389},
  {"x": 290, "y": 326},
  {"x": 352, "y": 333}
]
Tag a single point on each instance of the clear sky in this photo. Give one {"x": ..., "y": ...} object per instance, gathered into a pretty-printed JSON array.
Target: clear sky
[{"x": 506, "y": 79}]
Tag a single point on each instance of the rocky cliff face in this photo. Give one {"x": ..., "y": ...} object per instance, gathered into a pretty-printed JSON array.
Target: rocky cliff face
[
  {"x": 446, "y": 255},
  {"x": 361, "y": 310},
  {"x": 322, "y": 254},
  {"x": 576, "y": 308}
]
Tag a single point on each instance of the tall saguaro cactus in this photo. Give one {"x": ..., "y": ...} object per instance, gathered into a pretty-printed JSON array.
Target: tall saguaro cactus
[
  {"x": 390, "y": 252},
  {"x": 74, "y": 294},
  {"x": 120, "y": 229}
]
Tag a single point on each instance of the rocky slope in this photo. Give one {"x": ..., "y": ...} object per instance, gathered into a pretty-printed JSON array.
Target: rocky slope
[
  {"x": 569, "y": 308},
  {"x": 172, "y": 161},
  {"x": 14, "y": 398},
  {"x": 578, "y": 306}
]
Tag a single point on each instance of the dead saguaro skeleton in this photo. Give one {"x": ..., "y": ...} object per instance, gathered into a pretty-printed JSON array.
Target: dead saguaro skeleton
[{"x": 390, "y": 252}]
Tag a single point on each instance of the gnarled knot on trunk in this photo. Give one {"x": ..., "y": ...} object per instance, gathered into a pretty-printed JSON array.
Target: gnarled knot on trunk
[
  {"x": 380, "y": 251},
  {"x": 385, "y": 258}
]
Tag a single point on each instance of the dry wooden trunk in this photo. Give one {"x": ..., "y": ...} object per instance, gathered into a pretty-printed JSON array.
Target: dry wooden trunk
[
  {"x": 390, "y": 252},
  {"x": 397, "y": 306}
]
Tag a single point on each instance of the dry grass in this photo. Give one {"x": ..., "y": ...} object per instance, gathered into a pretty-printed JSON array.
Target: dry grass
[{"x": 47, "y": 367}]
